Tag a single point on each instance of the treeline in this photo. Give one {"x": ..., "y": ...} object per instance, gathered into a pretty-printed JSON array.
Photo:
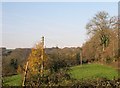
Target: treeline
[{"x": 12, "y": 59}]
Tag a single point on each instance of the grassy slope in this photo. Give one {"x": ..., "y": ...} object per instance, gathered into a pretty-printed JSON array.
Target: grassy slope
[
  {"x": 93, "y": 71},
  {"x": 14, "y": 80},
  {"x": 78, "y": 72}
]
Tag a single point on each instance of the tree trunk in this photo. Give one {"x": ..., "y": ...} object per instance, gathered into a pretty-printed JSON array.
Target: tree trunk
[
  {"x": 81, "y": 57},
  {"x": 103, "y": 53}
]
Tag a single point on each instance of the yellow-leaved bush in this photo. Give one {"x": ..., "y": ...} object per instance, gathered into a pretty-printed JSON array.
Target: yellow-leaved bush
[{"x": 36, "y": 59}]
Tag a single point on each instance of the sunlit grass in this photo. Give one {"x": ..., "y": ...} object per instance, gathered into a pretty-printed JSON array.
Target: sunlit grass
[
  {"x": 14, "y": 80},
  {"x": 91, "y": 71}
]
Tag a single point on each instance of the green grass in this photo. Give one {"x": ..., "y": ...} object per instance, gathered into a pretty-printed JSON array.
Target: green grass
[
  {"x": 91, "y": 71},
  {"x": 14, "y": 80},
  {"x": 88, "y": 71}
]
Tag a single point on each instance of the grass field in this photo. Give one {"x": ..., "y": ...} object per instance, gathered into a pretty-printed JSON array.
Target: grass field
[
  {"x": 91, "y": 71},
  {"x": 87, "y": 71},
  {"x": 14, "y": 80}
]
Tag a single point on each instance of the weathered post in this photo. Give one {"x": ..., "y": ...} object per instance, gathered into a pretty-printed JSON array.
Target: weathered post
[
  {"x": 42, "y": 57},
  {"x": 25, "y": 74}
]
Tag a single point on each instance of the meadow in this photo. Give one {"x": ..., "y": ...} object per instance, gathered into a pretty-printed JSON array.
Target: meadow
[{"x": 93, "y": 71}]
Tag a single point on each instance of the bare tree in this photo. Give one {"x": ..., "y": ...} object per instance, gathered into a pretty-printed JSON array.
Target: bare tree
[{"x": 102, "y": 24}]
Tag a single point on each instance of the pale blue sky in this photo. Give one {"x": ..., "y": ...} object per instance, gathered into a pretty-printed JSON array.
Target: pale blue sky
[{"x": 62, "y": 24}]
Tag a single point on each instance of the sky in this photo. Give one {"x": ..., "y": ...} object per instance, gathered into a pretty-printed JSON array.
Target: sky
[{"x": 61, "y": 23}]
